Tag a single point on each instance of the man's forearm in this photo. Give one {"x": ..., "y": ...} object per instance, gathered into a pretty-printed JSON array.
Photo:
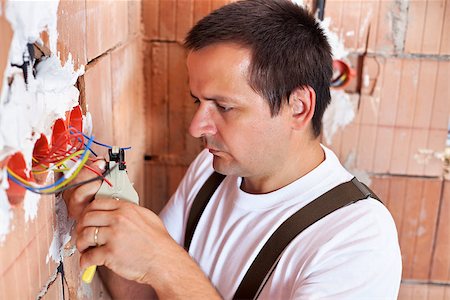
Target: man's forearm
[
  {"x": 182, "y": 278},
  {"x": 120, "y": 288}
]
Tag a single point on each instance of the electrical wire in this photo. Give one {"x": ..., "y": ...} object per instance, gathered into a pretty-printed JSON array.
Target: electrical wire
[
  {"x": 53, "y": 188},
  {"x": 98, "y": 143}
]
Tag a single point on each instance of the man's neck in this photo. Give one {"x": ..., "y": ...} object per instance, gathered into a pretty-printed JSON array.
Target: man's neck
[{"x": 297, "y": 166}]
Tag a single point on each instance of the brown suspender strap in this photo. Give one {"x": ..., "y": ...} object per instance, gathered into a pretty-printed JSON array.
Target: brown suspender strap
[
  {"x": 199, "y": 205},
  {"x": 267, "y": 259}
]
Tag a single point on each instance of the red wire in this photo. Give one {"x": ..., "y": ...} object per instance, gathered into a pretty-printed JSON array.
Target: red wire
[{"x": 98, "y": 173}]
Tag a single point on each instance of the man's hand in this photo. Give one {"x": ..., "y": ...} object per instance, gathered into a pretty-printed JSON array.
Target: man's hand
[
  {"x": 78, "y": 198},
  {"x": 133, "y": 243}
]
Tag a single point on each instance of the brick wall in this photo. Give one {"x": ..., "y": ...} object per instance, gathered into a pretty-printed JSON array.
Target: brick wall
[
  {"x": 105, "y": 37},
  {"x": 397, "y": 139},
  {"x": 135, "y": 87}
]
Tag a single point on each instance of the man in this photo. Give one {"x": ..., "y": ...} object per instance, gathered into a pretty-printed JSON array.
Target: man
[{"x": 259, "y": 72}]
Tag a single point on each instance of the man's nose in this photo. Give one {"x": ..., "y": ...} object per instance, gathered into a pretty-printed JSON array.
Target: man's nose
[{"x": 202, "y": 123}]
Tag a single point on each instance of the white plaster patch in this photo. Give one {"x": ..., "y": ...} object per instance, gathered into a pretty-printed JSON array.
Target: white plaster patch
[
  {"x": 28, "y": 19},
  {"x": 337, "y": 46},
  {"x": 27, "y": 110},
  {"x": 30, "y": 205},
  {"x": 61, "y": 236},
  {"x": 338, "y": 114},
  {"x": 299, "y": 2},
  {"x": 84, "y": 291}
]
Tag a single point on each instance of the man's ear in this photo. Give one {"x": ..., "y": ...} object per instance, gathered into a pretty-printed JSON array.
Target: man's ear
[{"x": 302, "y": 103}]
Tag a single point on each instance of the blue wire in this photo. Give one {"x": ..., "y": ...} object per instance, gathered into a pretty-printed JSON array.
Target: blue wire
[
  {"x": 101, "y": 144},
  {"x": 34, "y": 189}
]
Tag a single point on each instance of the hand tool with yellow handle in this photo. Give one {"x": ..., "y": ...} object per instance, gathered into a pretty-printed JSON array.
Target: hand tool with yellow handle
[{"x": 121, "y": 189}]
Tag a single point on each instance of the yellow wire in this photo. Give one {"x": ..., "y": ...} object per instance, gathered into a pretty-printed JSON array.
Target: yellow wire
[
  {"x": 75, "y": 173},
  {"x": 58, "y": 163},
  {"x": 20, "y": 178}
]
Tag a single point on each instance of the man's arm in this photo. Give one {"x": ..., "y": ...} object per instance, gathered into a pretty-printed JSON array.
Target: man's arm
[
  {"x": 134, "y": 246},
  {"x": 133, "y": 243}
]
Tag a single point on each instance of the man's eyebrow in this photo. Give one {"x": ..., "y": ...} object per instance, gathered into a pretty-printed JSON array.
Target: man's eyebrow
[
  {"x": 193, "y": 96},
  {"x": 213, "y": 98}
]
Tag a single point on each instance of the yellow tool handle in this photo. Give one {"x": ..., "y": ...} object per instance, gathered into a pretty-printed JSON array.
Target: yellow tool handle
[{"x": 88, "y": 274}]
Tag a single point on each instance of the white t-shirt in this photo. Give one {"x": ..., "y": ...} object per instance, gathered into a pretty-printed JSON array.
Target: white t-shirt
[{"x": 352, "y": 253}]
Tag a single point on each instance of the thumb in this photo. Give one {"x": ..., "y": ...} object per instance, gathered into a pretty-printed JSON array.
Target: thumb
[{"x": 99, "y": 164}]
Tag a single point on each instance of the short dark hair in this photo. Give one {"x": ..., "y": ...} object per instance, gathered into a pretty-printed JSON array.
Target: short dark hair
[{"x": 289, "y": 49}]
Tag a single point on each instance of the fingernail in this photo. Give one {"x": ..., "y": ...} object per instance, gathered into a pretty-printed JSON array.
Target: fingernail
[{"x": 101, "y": 164}]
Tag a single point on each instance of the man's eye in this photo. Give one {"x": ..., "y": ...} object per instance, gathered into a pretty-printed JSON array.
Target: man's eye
[
  {"x": 224, "y": 108},
  {"x": 196, "y": 102}
]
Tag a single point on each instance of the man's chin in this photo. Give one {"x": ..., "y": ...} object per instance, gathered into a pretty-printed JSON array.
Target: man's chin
[{"x": 221, "y": 166}]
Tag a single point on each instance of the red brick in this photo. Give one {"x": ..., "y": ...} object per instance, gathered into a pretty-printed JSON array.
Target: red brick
[
  {"x": 426, "y": 229},
  {"x": 101, "y": 33},
  {"x": 334, "y": 12},
  {"x": 148, "y": 90},
  {"x": 434, "y": 20},
  {"x": 184, "y": 18},
  {"x": 410, "y": 224},
  {"x": 179, "y": 97},
  {"x": 6, "y": 33},
  {"x": 406, "y": 292},
  {"x": 157, "y": 117},
  {"x": 389, "y": 93},
  {"x": 381, "y": 185},
  {"x": 350, "y": 28},
  {"x": 54, "y": 290},
  {"x": 381, "y": 33},
  {"x": 167, "y": 21},
  {"x": 425, "y": 93},
  {"x": 215, "y": 4},
  {"x": 397, "y": 199},
  {"x": 440, "y": 270},
  {"x": 350, "y": 140},
  {"x": 366, "y": 147},
  {"x": 150, "y": 18},
  {"x": 72, "y": 31},
  {"x": 10, "y": 281},
  {"x": 368, "y": 24},
  {"x": 128, "y": 106},
  {"x": 445, "y": 37},
  {"x": 416, "y": 25},
  {"x": 383, "y": 149},
  {"x": 372, "y": 94},
  {"x": 373, "y": 69},
  {"x": 156, "y": 187},
  {"x": 3, "y": 289},
  {"x": 201, "y": 9},
  {"x": 408, "y": 93},
  {"x": 436, "y": 143},
  {"x": 418, "y": 144},
  {"x": 97, "y": 81},
  {"x": 441, "y": 108},
  {"x": 400, "y": 150},
  {"x": 437, "y": 292},
  {"x": 134, "y": 17}
]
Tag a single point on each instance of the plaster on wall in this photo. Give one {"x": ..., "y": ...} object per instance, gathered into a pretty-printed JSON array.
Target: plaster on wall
[{"x": 27, "y": 110}]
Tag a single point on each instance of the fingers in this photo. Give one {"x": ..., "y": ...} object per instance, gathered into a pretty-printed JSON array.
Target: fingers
[
  {"x": 94, "y": 218},
  {"x": 78, "y": 198},
  {"x": 87, "y": 237},
  {"x": 102, "y": 213},
  {"x": 94, "y": 256}
]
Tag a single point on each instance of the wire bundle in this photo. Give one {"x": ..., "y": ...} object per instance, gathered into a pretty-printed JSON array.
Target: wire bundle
[{"x": 68, "y": 154}]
